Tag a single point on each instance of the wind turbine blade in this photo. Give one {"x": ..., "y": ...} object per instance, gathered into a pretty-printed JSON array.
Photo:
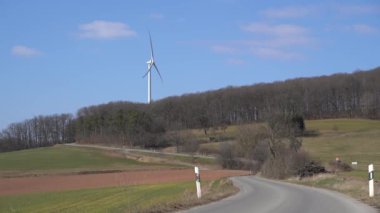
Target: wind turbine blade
[
  {"x": 155, "y": 66},
  {"x": 151, "y": 46},
  {"x": 147, "y": 72}
]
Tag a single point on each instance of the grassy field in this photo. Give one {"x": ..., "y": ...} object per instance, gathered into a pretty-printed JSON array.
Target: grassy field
[
  {"x": 62, "y": 159},
  {"x": 349, "y": 139},
  {"x": 141, "y": 198},
  {"x": 115, "y": 199}
]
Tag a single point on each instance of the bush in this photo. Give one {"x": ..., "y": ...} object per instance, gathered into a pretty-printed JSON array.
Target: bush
[
  {"x": 298, "y": 124},
  {"x": 275, "y": 168},
  {"x": 261, "y": 153},
  {"x": 290, "y": 163},
  {"x": 310, "y": 169},
  {"x": 227, "y": 158},
  {"x": 281, "y": 166}
]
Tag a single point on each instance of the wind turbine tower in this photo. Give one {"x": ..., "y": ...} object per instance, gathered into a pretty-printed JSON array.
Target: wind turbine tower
[{"x": 151, "y": 63}]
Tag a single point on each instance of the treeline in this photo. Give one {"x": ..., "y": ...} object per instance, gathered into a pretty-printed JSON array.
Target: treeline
[
  {"x": 336, "y": 96},
  {"x": 38, "y": 132},
  {"x": 119, "y": 123},
  {"x": 355, "y": 95}
]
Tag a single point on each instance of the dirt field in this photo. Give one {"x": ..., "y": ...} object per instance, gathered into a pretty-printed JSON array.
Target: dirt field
[{"x": 12, "y": 186}]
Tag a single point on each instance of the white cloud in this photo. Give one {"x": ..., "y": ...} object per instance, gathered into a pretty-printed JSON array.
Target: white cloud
[
  {"x": 272, "y": 53},
  {"x": 281, "y": 41},
  {"x": 287, "y": 12},
  {"x": 105, "y": 30},
  {"x": 24, "y": 51},
  {"x": 277, "y": 30},
  {"x": 363, "y": 28},
  {"x": 235, "y": 61},
  {"x": 157, "y": 16},
  {"x": 277, "y": 42},
  {"x": 273, "y": 41}
]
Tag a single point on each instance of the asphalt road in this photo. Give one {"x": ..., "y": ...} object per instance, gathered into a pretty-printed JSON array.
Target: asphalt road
[{"x": 260, "y": 196}]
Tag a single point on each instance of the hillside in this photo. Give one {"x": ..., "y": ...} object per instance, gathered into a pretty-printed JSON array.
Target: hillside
[
  {"x": 349, "y": 139},
  {"x": 355, "y": 95}
]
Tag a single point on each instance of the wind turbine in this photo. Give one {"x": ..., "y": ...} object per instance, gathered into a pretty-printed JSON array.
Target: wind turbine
[{"x": 151, "y": 63}]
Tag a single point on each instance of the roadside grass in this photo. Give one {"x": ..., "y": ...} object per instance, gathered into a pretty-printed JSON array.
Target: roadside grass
[
  {"x": 351, "y": 186},
  {"x": 140, "y": 198},
  {"x": 64, "y": 159}
]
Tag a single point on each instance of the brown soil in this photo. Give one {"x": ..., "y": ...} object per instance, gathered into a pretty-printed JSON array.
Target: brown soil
[{"x": 22, "y": 185}]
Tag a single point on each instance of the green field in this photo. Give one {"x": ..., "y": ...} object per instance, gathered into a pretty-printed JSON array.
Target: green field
[
  {"x": 140, "y": 198},
  {"x": 61, "y": 159},
  {"x": 115, "y": 199},
  {"x": 349, "y": 139}
]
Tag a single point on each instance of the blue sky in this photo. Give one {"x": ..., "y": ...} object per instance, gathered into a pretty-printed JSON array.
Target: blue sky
[{"x": 59, "y": 56}]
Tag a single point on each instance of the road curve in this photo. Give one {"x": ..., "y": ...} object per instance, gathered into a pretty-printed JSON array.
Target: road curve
[{"x": 261, "y": 196}]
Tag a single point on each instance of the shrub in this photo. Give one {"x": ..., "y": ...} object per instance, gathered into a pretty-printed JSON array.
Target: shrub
[
  {"x": 290, "y": 163},
  {"x": 310, "y": 169},
  {"x": 298, "y": 124},
  {"x": 281, "y": 166},
  {"x": 227, "y": 158}
]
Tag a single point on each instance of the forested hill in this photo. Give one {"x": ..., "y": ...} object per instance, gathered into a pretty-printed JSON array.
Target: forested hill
[{"x": 339, "y": 95}]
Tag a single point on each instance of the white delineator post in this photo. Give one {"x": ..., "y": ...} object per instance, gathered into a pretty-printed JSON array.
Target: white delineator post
[
  {"x": 198, "y": 181},
  {"x": 370, "y": 180}
]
